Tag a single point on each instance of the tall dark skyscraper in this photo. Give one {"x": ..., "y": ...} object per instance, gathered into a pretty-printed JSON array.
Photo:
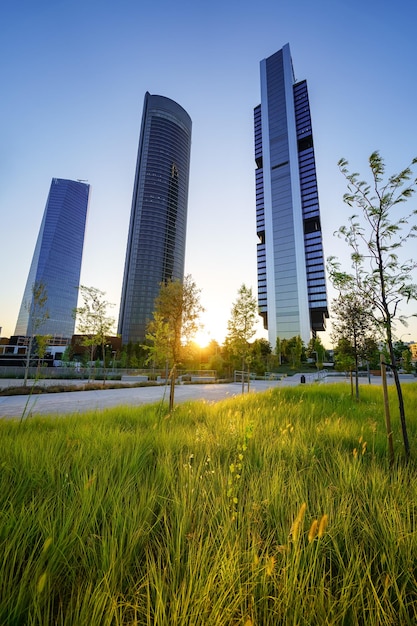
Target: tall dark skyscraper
[
  {"x": 57, "y": 259},
  {"x": 291, "y": 274},
  {"x": 157, "y": 231}
]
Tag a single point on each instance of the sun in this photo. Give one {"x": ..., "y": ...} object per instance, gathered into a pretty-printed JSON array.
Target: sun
[{"x": 202, "y": 338}]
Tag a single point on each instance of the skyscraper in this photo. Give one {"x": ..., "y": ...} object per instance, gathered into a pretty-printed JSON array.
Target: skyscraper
[
  {"x": 157, "y": 231},
  {"x": 57, "y": 259},
  {"x": 291, "y": 274}
]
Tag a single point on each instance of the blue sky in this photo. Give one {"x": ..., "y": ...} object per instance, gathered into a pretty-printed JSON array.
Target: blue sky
[{"x": 73, "y": 77}]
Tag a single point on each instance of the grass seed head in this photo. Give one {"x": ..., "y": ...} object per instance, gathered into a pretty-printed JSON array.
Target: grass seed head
[
  {"x": 298, "y": 521},
  {"x": 41, "y": 582},
  {"x": 323, "y": 525},
  {"x": 47, "y": 543},
  {"x": 270, "y": 565},
  {"x": 313, "y": 531}
]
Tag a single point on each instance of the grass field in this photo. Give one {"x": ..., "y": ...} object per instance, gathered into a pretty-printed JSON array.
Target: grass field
[{"x": 274, "y": 508}]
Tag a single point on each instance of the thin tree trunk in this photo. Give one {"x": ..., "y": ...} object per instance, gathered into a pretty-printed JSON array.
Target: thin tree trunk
[
  {"x": 388, "y": 324},
  {"x": 172, "y": 388},
  {"x": 29, "y": 350},
  {"x": 90, "y": 369},
  {"x": 356, "y": 378},
  {"x": 387, "y": 412},
  {"x": 103, "y": 350},
  {"x": 355, "y": 347},
  {"x": 243, "y": 375},
  {"x": 400, "y": 401}
]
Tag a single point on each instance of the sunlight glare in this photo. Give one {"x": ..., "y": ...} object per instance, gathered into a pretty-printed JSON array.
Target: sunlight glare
[{"x": 202, "y": 338}]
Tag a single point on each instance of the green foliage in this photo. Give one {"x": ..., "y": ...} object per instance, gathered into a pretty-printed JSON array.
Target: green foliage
[
  {"x": 67, "y": 355},
  {"x": 133, "y": 355},
  {"x": 241, "y": 326},
  {"x": 344, "y": 356},
  {"x": 41, "y": 343},
  {"x": 352, "y": 312},
  {"x": 36, "y": 308},
  {"x": 216, "y": 362},
  {"x": 261, "y": 356},
  {"x": 274, "y": 508},
  {"x": 93, "y": 323},
  {"x": 175, "y": 321},
  {"x": 375, "y": 238},
  {"x": 353, "y": 328},
  {"x": 406, "y": 362},
  {"x": 38, "y": 314},
  {"x": 372, "y": 353},
  {"x": 291, "y": 351},
  {"x": 316, "y": 351},
  {"x": 174, "y": 324}
]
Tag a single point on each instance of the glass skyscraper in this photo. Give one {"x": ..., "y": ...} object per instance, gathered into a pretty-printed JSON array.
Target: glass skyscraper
[
  {"x": 156, "y": 240},
  {"x": 57, "y": 259},
  {"x": 291, "y": 274}
]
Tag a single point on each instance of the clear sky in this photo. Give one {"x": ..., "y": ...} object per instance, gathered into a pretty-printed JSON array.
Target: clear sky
[{"x": 73, "y": 77}]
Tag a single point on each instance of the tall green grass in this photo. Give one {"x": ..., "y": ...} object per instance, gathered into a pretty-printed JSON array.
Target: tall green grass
[{"x": 274, "y": 508}]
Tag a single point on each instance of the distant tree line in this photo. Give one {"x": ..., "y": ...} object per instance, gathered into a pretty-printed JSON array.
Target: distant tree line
[{"x": 292, "y": 355}]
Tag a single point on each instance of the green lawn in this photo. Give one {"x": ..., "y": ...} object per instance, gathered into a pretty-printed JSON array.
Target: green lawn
[{"x": 274, "y": 508}]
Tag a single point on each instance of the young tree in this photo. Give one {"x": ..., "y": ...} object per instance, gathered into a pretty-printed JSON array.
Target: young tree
[
  {"x": 216, "y": 360},
  {"x": 278, "y": 351},
  {"x": 38, "y": 314},
  {"x": 260, "y": 352},
  {"x": 352, "y": 316},
  {"x": 399, "y": 349},
  {"x": 375, "y": 237},
  {"x": 241, "y": 326},
  {"x": 406, "y": 360},
  {"x": 294, "y": 351},
  {"x": 285, "y": 351},
  {"x": 93, "y": 323},
  {"x": 175, "y": 322},
  {"x": 42, "y": 342},
  {"x": 316, "y": 350},
  {"x": 344, "y": 357}
]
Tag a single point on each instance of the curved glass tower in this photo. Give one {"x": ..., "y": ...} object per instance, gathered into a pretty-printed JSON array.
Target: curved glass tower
[
  {"x": 57, "y": 259},
  {"x": 157, "y": 231},
  {"x": 291, "y": 275}
]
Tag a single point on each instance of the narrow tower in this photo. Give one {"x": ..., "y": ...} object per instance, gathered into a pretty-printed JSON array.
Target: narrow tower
[
  {"x": 56, "y": 262},
  {"x": 157, "y": 231},
  {"x": 291, "y": 274}
]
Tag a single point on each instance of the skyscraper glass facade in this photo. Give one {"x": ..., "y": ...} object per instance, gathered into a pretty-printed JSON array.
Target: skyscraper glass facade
[
  {"x": 56, "y": 262},
  {"x": 291, "y": 275},
  {"x": 157, "y": 232}
]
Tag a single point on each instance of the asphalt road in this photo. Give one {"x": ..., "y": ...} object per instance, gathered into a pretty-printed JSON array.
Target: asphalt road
[{"x": 73, "y": 402}]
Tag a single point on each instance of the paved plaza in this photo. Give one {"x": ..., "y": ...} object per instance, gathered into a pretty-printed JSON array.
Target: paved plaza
[
  {"x": 73, "y": 402},
  {"x": 79, "y": 401}
]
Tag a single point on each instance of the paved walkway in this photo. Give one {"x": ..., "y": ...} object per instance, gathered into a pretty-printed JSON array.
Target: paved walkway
[
  {"x": 70, "y": 402},
  {"x": 79, "y": 401}
]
